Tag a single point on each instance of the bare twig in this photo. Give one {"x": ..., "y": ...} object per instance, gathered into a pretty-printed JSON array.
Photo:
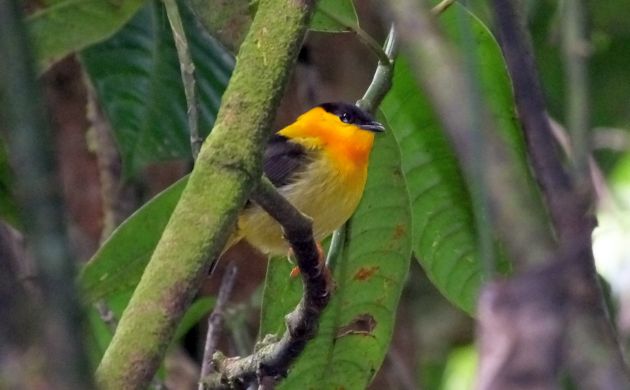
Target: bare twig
[
  {"x": 215, "y": 322},
  {"x": 187, "y": 68}
]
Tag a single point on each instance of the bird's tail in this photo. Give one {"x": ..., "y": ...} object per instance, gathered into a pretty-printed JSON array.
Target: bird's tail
[{"x": 234, "y": 238}]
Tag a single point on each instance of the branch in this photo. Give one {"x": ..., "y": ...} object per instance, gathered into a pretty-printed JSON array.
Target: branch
[
  {"x": 273, "y": 360},
  {"x": 567, "y": 211},
  {"x": 227, "y": 168}
]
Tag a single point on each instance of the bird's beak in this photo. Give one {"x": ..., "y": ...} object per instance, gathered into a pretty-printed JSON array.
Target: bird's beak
[{"x": 373, "y": 126}]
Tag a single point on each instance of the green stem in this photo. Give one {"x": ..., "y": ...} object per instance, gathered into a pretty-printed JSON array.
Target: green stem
[
  {"x": 576, "y": 51},
  {"x": 227, "y": 169},
  {"x": 382, "y": 81}
]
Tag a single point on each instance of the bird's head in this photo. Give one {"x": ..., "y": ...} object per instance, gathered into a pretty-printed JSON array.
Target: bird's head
[{"x": 336, "y": 125}]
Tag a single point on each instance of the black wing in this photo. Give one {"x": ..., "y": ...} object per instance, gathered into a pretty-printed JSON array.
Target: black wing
[{"x": 283, "y": 159}]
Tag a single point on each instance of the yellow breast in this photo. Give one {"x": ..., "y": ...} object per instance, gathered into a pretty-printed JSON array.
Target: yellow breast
[{"x": 328, "y": 191}]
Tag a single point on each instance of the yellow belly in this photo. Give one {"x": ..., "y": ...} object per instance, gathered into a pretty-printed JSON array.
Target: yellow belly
[{"x": 324, "y": 192}]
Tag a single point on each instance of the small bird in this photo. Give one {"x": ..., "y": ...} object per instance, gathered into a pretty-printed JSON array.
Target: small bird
[{"x": 319, "y": 163}]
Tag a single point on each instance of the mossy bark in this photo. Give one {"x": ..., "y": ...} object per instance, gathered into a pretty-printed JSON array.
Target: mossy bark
[{"x": 226, "y": 170}]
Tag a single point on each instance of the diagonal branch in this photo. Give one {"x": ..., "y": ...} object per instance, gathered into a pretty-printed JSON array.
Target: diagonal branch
[{"x": 227, "y": 169}]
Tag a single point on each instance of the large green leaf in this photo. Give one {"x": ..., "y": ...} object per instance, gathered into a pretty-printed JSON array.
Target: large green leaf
[
  {"x": 445, "y": 239},
  {"x": 118, "y": 264},
  {"x": 65, "y": 26},
  {"x": 355, "y": 329},
  {"x": 137, "y": 77}
]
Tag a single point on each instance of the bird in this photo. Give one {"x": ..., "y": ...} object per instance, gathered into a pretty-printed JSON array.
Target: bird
[{"x": 319, "y": 163}]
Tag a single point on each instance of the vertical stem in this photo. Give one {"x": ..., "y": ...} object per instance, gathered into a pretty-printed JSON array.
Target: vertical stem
[
  {"x": 479, "y": 191},
  {"x": 187, "y": 68},
  {"x": 37, "y": 190},
  {"x": 576, "y": 51}
]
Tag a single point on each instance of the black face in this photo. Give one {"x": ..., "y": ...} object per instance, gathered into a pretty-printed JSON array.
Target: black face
[{"x": 351, "y": 114}]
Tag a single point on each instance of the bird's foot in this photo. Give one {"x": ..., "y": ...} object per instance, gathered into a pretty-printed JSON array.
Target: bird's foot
[{"x": 295, "y": 272}]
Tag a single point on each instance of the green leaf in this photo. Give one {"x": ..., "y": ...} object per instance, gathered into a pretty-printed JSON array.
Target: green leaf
[
  {"x": 118, "y": 264},
  {"x": 138, "y": 81},
  {"x": 334, "y": 16},
  {"x": 66, "y": 26},
  {"x": 355, "y": 329},
  {"x": 445, "y": 240}
]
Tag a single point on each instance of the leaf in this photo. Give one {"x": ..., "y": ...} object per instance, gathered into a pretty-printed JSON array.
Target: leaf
[
  {"x": 138, "y": 81},
  {"x": 118, "y": 264},
  {"x": 66, "y": 26},
  {"x": 445, "y": 240},
  {"x": 334, "y": 16},
  {"x": 356, "y": 327}
]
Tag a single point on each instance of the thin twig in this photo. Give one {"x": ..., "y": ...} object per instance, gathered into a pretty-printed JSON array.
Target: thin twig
[
  {"x": 576, "y": 52},
  {"x": 215, "y": 322},
  {"x": 187, "y": 68}
]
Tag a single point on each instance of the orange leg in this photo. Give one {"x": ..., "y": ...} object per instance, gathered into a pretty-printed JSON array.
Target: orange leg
[{"x": 295, "y": 272}]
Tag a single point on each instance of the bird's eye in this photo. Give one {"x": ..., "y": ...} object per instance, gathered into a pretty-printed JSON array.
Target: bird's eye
[{"x": 346, "y": 118}]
